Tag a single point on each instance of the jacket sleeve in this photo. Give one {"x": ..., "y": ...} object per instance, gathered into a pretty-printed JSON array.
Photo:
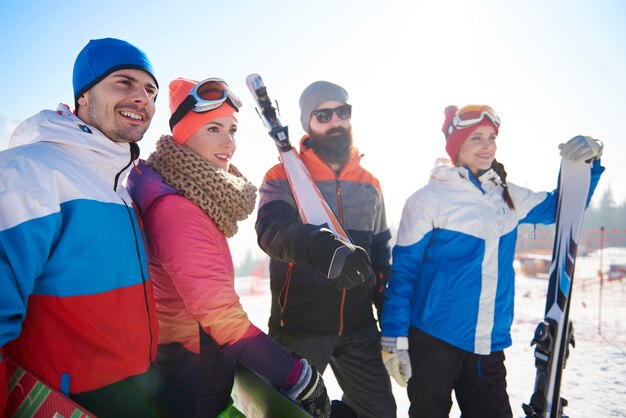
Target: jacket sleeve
[
  {"x": 265, "y": 356},
  {"x": 28, "y": 230},
  {"x": 380, "y": 250},
  {"x": 194, "y": 253},
  {"x": 3, "y": 383},
  {"x": 280, "y": 232},
  {"x": 413, "y": 237},
  {"x": 380, "y": 255},
  {"x": 596, "y": 172},
  {"x": 544, "y": 211}
]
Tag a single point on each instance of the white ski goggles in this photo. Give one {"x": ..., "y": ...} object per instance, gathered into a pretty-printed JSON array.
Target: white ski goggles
[
  {"x": 207, "y": 95},
  {"x": 472, "y": 115}
]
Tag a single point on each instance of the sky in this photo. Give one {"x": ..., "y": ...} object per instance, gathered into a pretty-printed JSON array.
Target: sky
[{"x": 550, "y": 69}]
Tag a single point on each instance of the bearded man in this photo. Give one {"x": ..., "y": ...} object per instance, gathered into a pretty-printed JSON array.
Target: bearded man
[{"x": 328, "y": 318}]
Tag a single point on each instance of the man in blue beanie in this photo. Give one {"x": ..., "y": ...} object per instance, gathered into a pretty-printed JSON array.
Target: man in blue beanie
[
  {"x": 76, "y": 304},
  {"x": 115, "y": 89}
]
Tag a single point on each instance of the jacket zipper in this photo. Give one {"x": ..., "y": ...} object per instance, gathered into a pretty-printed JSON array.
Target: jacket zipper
[
  {"x": 134, "y": 154},
  {"x": 284, "y": 293},
  {"x": 143, "y": 281}
]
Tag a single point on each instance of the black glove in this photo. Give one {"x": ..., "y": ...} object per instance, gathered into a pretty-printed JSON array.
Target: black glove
[
  {"x": 378, "y": 292},
  {"x": 344, "y": 264},
  {"x": 310, "y": 392}
]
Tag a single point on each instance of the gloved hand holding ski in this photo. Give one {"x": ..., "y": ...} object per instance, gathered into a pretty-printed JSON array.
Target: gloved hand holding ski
[
  {"x": 344, "y": 264},
  {"x": 581, "y": 148},
  {"x": 554, "y": 334},
  {"x": 395, "y": 353}
]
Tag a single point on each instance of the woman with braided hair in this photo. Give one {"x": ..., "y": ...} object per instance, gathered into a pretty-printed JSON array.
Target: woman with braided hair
[
  {"x": 449, "y": 302},
  {"x": 191, "y": 198}
]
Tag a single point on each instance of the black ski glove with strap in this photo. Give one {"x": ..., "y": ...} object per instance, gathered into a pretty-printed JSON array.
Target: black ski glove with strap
[{"x": 344, "y": 264}]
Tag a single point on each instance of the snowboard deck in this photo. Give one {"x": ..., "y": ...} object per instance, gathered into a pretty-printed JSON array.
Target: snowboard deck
[
  {"x": 29, "y": 396},
  {"x": 256, "y": 398}
]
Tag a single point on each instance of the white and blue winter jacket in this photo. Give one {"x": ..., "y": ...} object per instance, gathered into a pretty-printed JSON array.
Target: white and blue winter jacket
[{"x": 452, "y": 275}]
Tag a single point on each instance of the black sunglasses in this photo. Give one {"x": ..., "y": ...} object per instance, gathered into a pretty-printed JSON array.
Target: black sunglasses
[{"x": 325, "y": 115}]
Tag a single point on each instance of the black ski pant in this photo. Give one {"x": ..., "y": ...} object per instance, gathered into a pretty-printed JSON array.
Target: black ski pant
[
  {"x": 133, "y": 397},
  {"x": 193, "y": 384},
  {"x": 478, "y": 381},
  {"x": 357, "y": 365}
]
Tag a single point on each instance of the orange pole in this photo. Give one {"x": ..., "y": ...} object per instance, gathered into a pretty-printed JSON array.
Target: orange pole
[{"x": 601, "y": 280}]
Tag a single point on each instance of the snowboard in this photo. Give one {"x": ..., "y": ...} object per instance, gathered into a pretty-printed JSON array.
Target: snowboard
[
  {"x": 555, "y": 333},
  {"x": 256, "y": 398},
  {"x": 28, "y": 396}
]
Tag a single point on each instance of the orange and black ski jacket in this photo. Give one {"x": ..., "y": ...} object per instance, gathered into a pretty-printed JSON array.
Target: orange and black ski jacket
[{"x": 303, "y": 301}]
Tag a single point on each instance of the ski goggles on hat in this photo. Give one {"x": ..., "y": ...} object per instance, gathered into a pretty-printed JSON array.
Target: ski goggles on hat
[
  {"x": 472, "y": 115},
  {"x": 203, "y": 97},
  {"x": 325, "y": 115}
]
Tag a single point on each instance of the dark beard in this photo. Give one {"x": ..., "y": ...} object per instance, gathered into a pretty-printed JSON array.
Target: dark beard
[{"x": 333, "y": 146}]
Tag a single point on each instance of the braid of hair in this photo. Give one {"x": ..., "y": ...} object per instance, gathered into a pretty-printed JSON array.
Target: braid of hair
[{"x": 499, "y": 169}]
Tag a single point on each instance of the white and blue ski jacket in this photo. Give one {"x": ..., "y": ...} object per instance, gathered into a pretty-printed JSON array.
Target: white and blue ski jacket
[{"x": 452, "y": 274}]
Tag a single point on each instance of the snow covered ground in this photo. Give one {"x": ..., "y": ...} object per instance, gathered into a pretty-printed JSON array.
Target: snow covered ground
[{"x": 594, "y": 381}]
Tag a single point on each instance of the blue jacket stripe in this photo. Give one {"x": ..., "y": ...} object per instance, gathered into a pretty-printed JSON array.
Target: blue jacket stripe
[
  {"x": 24, "y": 250},
  {"x": 112, "y": 263}
]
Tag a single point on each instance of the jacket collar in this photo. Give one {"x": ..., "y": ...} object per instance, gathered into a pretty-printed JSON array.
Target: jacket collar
[
  {"x": 108, "y": 159},
  {"x": 445, "y": 171}
]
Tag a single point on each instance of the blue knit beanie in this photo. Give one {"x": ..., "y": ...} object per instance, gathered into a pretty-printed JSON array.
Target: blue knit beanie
[
  {"x": 101, "y": 57},
  {"x": 316, "y": 94}
]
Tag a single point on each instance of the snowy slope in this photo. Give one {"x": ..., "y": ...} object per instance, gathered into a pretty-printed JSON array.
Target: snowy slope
[{"x": 594, "y": 381}]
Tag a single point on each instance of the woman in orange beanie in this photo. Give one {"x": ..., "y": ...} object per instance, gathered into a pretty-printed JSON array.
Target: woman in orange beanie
[
  {"x": 449, "y": 303},
  {"x": 191, "y": 198}
]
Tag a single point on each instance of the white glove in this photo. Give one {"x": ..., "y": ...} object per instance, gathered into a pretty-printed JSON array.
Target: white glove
[
  {"x": 395, "y": 353},
  {"x": 581, "y": 148}
]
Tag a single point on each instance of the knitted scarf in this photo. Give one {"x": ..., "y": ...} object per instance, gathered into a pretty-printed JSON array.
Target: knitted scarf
[{"x": 225, "y": 196}]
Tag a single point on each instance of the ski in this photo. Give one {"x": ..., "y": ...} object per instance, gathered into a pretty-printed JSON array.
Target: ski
[
  {"x": 554, "y": 334},
  {"x": 312, "y": 206}
]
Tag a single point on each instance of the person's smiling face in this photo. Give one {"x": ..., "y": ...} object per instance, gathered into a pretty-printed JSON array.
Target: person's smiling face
[
  {"x": 121, "y": 105},
  {"x": 215, "y": 141},
  {"x": 479, "y": 150}
]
